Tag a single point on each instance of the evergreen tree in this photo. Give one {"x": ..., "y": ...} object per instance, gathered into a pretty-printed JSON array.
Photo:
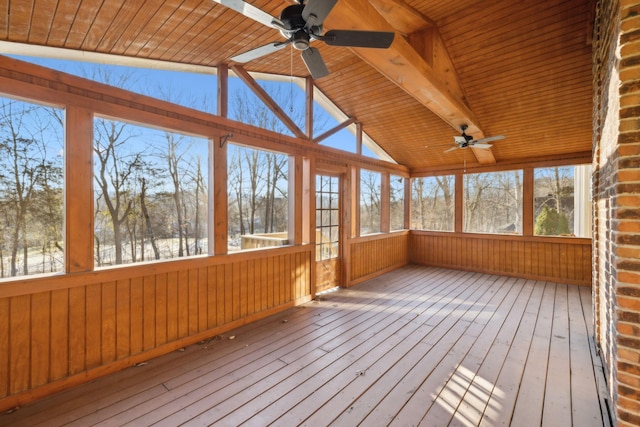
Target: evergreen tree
[{"x": 550, "y": 222}]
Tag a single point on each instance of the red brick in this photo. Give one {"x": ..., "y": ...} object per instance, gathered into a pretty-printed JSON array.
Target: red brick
[
  {"x": 629, "y": 227},
  {"x": 629, "y": 8},
  {"x": 629, "y": 162},
  {"x": 629, "y": 342},
  {"x": 627, "y": 264},
  {"x": 628, "y": 355},
  {"x": 628, "y": 200},
  {"x": 629, "y": 404},
  {"x": 628, "y": 252},
  {"x": 629, "y": 138},
  {"x": 630, "y": 24},
  {"x": 630, "y": 87},
  {"x": 632, "y": 419},
  {"x": 628, "y": 277},
  {"x": 631, "y": 48},
  {"x": 630, "y": 100},
  {"x": 631, "y": 316},
  {"x": 628, "y": 329},
  {"x": 629, "y": 368},
  {"x": 630, "y": 291},
  {"x": 629, "y": 381},
  {"x": 629, "y": 392},
  {"x": 630, "y": 113}
]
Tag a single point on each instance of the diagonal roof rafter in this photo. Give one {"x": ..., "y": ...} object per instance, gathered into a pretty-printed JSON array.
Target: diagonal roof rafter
[{"x": 433, "y": 85}]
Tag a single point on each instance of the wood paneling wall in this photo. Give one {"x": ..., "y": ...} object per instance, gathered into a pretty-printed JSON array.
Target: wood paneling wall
[
  {"x": 565, "y": 260},
  {"x": 103, "y": 320},
  {"x": 373, "y": 255}
]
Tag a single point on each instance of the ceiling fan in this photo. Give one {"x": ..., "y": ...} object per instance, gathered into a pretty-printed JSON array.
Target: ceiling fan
[
  {"x": 465, "y": 141},
  {"x": 300, "y": 24}
]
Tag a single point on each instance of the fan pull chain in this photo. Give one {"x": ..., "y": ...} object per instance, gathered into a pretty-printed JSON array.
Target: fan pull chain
[{"x": 291, "y": 80}]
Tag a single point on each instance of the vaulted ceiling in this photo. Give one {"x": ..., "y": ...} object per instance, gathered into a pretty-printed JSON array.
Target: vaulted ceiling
[{"x": 520, "y": 69}]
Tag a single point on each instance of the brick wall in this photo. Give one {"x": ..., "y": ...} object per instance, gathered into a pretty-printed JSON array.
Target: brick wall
[{"x": 616, "y": 186}]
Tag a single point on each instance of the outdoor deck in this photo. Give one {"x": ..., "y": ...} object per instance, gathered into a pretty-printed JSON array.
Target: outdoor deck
[{"x": 418, "y": 345}]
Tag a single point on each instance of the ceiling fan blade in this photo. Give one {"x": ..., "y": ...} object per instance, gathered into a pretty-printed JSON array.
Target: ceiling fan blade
[
  {"x": 354, "y": 38},
  {"x": 314, "y": 62},
  {"x": 480, "y": 145},
  {"x": 490, "y": 138},
  {"x": 252, "y": 12},
  {"x": 315, "y": 12},
  {"x": 259, "y": 52},
  {"x": 459, "y": 139},
  {"x": 451, "y": 149}
]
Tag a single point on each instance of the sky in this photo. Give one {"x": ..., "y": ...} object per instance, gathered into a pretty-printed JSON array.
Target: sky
[{"x": 199, "y": 91}]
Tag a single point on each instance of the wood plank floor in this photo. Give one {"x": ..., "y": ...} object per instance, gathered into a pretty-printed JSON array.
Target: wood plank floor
[{"x": 417, "y": 346}]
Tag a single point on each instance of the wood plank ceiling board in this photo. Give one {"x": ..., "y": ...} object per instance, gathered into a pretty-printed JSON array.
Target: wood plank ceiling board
[
  {"x": 63, "y": 18},
  {"x": 168, "y": 26},
  {"x": 520, "y": 69},
  {"x": 529, "y": 78}
]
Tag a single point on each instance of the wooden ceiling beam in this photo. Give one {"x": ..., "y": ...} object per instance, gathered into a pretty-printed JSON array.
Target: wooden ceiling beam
[
  {"x": 269, "y": 102},
  {"x": 404, "y": 18},
  {"x": 334, "y": 130},
  {"x": 418, "y": 63}
]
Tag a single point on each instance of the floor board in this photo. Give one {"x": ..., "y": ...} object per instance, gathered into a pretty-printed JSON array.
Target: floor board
[{"x": 416, "y": 346}]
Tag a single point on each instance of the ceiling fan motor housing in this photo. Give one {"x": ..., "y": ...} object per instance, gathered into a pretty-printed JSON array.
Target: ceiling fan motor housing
[{"x": 291, "y": 17}]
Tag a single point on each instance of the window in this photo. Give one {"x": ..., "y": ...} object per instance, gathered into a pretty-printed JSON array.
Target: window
[
  {"x": 31, "y": 188},
  {"x": 327, "y": 217},
  {"x": 195, "y": 89},
  {"x": 258, "y": 198},
  {"x": 369, "y": 202},
  {"x": 150, "y": 194},
  {"x": 561, "y": 201},
  {"x": 493, "y": 202},
  {"x": 433, "y": 203},
  {"x": 396, "y": 208}
]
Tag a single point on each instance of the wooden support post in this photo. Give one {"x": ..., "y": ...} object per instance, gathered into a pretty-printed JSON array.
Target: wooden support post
[
  {"x": 338, "y": 128},
  {"x": 295, "y": 181},
  {"x": 408, "y": 202},
  {"x": 308, "y": 201},
  {"x": 459, "y": 202},
  {"x": 79, "y": 226},
  {"x": 268, "y": 101},
  {"x": 223, "y": 90},
  {"x": 527, "y": 202},
  {"x": 385, "y": 202},
  {"x": 219, "y": 234},
  {"x": 309, "y": 87},
  {"x": 359, "y": 138},
  {"x": 353, "y": 192}
]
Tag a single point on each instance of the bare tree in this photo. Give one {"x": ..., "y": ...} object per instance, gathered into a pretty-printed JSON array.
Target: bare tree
[
  {"x": 114, "y": 174},
  {"x": 257, "y": 179},
  {"x": 475, "y": 186},
  {"x": 200, "y": 201},
  {"x": 174, "y": 158},
  {"x": 433, "y": 202},
  {"x": 396, "y": 202},
  {"x": 26, "y": 174},
  {"x": 369, "y": 201},
  {"x": 552, "y": 186},
  {"x": 493, "y": 202}
]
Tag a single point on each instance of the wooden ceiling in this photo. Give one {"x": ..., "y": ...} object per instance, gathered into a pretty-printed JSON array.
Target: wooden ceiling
[{"x": 521, "y": 69}]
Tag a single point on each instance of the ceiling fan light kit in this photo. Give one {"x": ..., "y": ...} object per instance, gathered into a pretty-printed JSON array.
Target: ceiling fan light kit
[{"x": 300, "y": 24}]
